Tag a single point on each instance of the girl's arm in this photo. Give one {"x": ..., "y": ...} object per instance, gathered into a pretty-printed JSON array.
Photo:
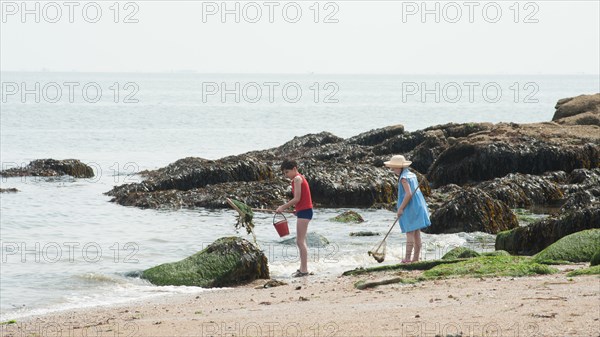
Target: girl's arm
[
  {"x": 407, "y": 196},
  {"x": 297, "y": 195}
]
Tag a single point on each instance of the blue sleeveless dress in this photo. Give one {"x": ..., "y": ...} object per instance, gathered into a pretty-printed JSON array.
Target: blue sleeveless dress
[{"x": 416, "y": 214}]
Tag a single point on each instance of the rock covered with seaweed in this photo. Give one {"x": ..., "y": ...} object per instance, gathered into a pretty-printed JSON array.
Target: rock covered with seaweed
[
  {"x": 487, "y": 168},
  {"x": 226, "y": 262},
  {"x": 51, "y": 168}
]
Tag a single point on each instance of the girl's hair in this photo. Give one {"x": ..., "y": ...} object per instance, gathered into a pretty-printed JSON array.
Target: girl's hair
[{"x": 288, "y": 164}]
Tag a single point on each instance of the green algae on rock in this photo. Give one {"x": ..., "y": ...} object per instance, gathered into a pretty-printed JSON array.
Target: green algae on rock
[
  {"x": 349, "y": 216},
  {"x": 460, "y": 253},
  {"x": 535, "y": 237},
  {"x": 576, "y": 247},
  {"x": 226, "y": 262}
]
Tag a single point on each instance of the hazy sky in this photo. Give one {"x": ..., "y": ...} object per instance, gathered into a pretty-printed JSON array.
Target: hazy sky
[{"x": 549, "y": 37}]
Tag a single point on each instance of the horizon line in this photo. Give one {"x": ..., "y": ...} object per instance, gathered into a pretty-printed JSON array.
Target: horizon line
[{"x": 275, "y": 73}]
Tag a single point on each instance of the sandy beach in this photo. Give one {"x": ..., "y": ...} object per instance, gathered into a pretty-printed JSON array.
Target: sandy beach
[{"x": 548, "y": 305}]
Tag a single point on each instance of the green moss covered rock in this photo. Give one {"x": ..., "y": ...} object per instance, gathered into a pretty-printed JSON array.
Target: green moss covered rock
[
  {"x": 576, "y": 247},
  {"x": 349, "y": 217},
  {"x": 228, "y": 261},
  {"x": 595, "y": 259},
  {"x": 460, "y": 253},
  {"x": 533, "y": 238}
]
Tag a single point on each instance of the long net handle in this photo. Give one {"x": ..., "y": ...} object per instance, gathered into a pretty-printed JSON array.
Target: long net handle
[{"x": 398, "y": 218}]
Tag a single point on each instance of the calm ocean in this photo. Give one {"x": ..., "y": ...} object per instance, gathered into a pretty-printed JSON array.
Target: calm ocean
[{"x": 64, "y": 245}]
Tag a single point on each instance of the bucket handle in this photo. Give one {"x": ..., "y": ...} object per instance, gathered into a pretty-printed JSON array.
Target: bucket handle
[{"x": 274, "y": 215}]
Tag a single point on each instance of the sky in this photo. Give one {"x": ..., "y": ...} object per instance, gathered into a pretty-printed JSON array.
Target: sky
[{"x": 353, "y": 37}]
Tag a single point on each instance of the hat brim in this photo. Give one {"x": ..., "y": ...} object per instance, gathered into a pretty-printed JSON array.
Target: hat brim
[{"x": 391, "y": 165}]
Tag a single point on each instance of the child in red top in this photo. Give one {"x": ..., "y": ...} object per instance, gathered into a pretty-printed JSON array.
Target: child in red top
[{"x": 304, "y": 210}]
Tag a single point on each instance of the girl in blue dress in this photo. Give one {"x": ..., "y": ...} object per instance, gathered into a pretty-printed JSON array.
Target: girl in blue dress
[{"x": 412, "y": 210}]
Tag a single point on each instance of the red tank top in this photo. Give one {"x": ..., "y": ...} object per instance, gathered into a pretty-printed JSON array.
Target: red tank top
[{"x": 305, "y": 198}]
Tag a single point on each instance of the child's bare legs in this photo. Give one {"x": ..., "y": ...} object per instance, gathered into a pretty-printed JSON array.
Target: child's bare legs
[
  {"x": 410, "y": 242},
  {"x": 301, "y": 229},
  {"x": 417, "y": 240}
]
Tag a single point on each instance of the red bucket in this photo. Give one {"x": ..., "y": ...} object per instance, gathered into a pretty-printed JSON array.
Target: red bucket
[{"x": 281, "y": 226}]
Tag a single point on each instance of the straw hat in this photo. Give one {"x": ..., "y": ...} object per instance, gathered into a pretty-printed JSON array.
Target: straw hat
[{"x": 397, "y": 161}]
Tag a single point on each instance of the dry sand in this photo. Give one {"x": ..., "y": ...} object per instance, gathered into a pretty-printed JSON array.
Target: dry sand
[{"x": 549, "y": 305}]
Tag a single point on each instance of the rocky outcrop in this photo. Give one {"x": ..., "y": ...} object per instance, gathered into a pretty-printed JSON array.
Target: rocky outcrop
[
  {"x": 580, "y": 110},
  {"x": 226, "y": 262},
  {"x": 51, "y": 168},
  {"x": 262, "y": 194},
  {"x": 518, "y": 165},
  {"x": 472, "y": 210},
  {"x": 423, "y": 147},
  {"x": 514, "y": 148},
  {"x": 535, "y": 237},
  {"x": 523, "y": 190},
  {"x": 332, "y": 185}
]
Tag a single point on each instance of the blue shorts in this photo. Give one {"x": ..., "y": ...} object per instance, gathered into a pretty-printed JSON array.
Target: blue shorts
[{"x": 305, "y": 214}]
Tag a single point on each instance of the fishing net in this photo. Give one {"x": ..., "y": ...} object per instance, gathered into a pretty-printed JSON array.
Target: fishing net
[
  {"x": 378, "y": 252},
  {"x": 245, "y": 216}
]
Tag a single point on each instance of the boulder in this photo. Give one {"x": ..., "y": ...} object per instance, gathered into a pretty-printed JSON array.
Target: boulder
[
  {"x": 577, "y": 247},
  {"x": 51, "y": 168},
  {"x": 313, "y": 240},
  {"x": 349, "y": 216},
  {"x": 229, "y": 261},
  {"x": 472, "y": 210},
  {"x": 535, "y": 237},
  {"x": 460, "y": 253},
  {"x": 580, "y": 110}
]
